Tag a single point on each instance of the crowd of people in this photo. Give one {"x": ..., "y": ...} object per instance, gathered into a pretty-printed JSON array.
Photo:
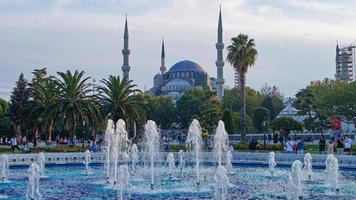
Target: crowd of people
[{"x": 341, "y": 142}]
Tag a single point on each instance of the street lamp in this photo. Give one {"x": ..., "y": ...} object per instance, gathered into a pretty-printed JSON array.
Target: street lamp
[{"x": 264, "y": 134}]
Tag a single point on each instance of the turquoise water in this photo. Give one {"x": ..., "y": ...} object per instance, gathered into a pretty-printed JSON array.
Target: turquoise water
[{"x": 246, "y": 182}]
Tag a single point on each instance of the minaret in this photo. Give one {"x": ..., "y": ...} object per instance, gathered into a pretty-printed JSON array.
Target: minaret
[
  {"x": 220, "y": 60},
  {"x": 163, "y": 62},
  {"x": 126, "y": 53}
]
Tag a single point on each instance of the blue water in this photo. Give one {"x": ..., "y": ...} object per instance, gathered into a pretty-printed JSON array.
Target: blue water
[{"x": 246, "y": 182}]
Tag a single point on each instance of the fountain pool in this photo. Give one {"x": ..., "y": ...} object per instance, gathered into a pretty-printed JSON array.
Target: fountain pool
[{"x": 247, "y": 182}]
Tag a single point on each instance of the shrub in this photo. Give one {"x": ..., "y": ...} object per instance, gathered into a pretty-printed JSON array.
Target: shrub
[{"x": 177, "y": 147}]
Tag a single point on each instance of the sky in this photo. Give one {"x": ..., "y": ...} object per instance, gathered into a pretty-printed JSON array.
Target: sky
[{"x": 295, "y": 39}]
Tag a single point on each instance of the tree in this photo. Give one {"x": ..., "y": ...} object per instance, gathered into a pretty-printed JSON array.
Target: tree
[
  {"x": 261, "y": 119},
  {"x": 286, "y": 125},
  {"x": 6, "y": 126},
  {"x": 274, "y": 105},
  {"x": 228, "y": 121},
  {"x": 161, "y": 110},
  {"x": 74, "y": 105},
  {"x": 19, "y": 103},
  {"x": 200, "y": 104},
  {"x": 119, "y": 99},
  {"x": 241, "y": 55}
]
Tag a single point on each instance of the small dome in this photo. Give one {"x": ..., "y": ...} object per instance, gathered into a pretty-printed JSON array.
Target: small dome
[
  {"x": 178, "y": 82},
  {"x": 186, "y": 65}
]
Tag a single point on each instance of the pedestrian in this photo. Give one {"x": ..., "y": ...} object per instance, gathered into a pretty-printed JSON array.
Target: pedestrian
[
  {"x": 322, "y": 144},
  {"x": 347, "y": 145},
  {"x": 340, "y": 144},
  {"x": 269, "y": 138},
  {"x": 14, "y": 144},
  {"x": 288, "y": 146},
  {"x": 331, "y": 146},
  {"x": 300, "y": 146}
]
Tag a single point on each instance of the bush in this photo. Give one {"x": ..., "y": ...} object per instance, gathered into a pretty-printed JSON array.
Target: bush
[
  {"x": 177, "y": 147},
  {"x": 269, "y": 147}
]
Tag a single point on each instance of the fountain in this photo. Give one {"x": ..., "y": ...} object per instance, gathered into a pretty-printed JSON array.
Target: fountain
[
  {"x": 171, "y": 165},
  {"x": 4, "y": 167},
  {"x": 194, "y": 143},
  {"x": 134, "y": 157},
  {"x": 87, "y": 159},
  {"x": 33, "y": 188},
  {"x": 295, "y": 181},
  {"x": 221, "y": 142},
  {"x": 181, "y": 164},
  {"x": 332, "y": 173},
  {"x": 271, "y": 162},
  {"x": 116, "y": 144},
  {"x": 221, "y": 183},
  {"x": 152, "y": 136},
  {"x": 107, "y": 149},
  {"x": 124, "y": 183},
  {"x": 41, "y": 160},
  {"x": 229, "y": 157},
  {"x": 308, "y": 165}
]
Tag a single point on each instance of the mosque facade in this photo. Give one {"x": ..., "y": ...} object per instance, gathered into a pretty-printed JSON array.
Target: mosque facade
[{"x": 184, "y": 75}]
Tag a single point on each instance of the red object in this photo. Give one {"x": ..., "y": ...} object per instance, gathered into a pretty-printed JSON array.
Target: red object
[{"x": 336, "y": 123}]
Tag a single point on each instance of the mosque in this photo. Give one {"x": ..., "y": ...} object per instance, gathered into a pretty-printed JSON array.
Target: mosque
[{"x": 183, "y": 75}]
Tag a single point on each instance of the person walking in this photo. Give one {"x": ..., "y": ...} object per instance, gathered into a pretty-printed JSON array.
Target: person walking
[
  {"x": 322, "y": 144},
  {"x": 288, "y": 146},
  {"x": 331, "y": 146},
  {"x": 347, "y": 145},
  {"x": 300, "y": 145},
  {"x": 340, "y": 145},
  {"x": 14, "y": 144}
]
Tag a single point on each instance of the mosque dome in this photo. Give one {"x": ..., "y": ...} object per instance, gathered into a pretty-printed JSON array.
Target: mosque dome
[{"x": 186, "y": 65}]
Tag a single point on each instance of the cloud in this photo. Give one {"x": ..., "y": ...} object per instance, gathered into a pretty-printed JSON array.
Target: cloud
[{"x": 292, "y": 37}]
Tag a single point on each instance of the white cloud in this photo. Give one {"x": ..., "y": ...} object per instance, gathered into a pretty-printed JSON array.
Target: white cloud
[{"x": 73, "y": 33}]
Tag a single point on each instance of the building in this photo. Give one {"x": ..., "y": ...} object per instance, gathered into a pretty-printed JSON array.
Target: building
[
  {"x": 186, "y": 74},
  {"x": 345, "y": 62}
]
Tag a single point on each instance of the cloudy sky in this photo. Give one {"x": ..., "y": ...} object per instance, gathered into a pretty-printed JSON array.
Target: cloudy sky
[{"x": 295, "y": 38}]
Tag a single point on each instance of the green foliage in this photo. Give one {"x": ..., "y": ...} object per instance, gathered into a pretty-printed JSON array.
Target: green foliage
[
  {"x": 161, "y": 110},
  {"x": 119, "y": 99},
  {"x": 19, "y": 103},
  {"x": 269, "y": 147},
  {"x": 177, "y": 147},
  {"x": 199, "y": 104},
  {"x": 228, "y": 121},
  {"x": 286, "y": 125},
  {"x": 74, "y": 104},
  {"x": 261, "y": 119}
]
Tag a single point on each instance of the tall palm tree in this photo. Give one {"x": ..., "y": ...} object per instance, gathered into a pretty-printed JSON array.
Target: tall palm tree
[
  {"x": 43, "y": 95},
  {"x": 119, "y": 99},
  {"x": 241, "y": 55},
  {"x": 74, "y": 104}
]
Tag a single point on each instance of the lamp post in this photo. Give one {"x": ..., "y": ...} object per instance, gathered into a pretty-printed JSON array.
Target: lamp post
[{"x": 264, "y": 134}]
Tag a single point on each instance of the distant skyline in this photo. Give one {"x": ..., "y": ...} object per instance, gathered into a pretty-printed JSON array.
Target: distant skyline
[{"x": 295, "y": 39}]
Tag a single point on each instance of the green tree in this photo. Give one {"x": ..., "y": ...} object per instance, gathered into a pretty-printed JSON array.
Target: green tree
[
  {"x": 74, "y": 105},
  {"x": 161, "y": 110},
  {"x": 261, "y": 119},
  {"x": 200, "y": 104},
  {"x": 6, "y": 126},
  {"x": 228, "y": 121},
  {"x": 19, "y": 103},
  {"x": 285, "y": 125},
  {"x": 119, "y": 100},
  {"x": 43, "y": 95},
  {"x": 241, "y": 55}
]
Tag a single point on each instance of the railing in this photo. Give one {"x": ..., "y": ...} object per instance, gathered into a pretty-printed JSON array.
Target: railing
[{"x": 205, "y": 157}]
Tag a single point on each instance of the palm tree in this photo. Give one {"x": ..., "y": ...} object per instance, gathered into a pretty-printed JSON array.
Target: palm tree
[
  {"x": 74, "y": 104},
  {"x": 119, "y": 99},
  {"x": 241, "y": 55},
  {"x": 43, "y": 95}
]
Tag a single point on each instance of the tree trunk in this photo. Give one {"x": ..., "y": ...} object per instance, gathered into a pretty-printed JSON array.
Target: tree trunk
[
  {"x": 50, "y": 132},
  {"x": 243, "y": 107}
]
